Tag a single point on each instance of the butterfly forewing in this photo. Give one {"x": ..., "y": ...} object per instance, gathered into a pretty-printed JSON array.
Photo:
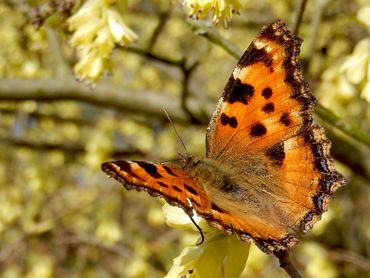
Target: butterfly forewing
[
  {"x": 166, "y": 180},
  {"x": 265, "y": 100},
  {"x": 263, "y": 124}
]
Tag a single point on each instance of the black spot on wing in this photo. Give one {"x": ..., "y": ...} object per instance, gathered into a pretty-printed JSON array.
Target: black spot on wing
[
  {"x": 285, "y": 120},
  {"x": 235, "y": 91},
  {"x": 254, "y": 55},
  {"x": 123, "y": 165},
  {"x": 226, "y": 120},
  {"x": 216, "y": 208},
  {"x": 268, "y": 107},
  {"x": 191, "y": 190},
  {"x": 276, "y": 153},
  {"x": 176, "y": 188},
  {"x": 267, "y": 93},
  {"x": 163, "y": 184},
  {"x": 150, "y": 168},
  {"x": 169, "y": 171},
  {"x": 257, "y": 130}
]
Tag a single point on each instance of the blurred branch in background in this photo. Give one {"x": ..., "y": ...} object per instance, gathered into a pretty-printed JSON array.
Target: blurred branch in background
[
  {"x": 68, "y": 148},
  {"x": 151, "y": 104},
  {"x": 105, "y": 95}
]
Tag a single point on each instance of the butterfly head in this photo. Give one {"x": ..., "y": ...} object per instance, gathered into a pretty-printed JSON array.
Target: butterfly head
[{"x": 188, "y": 160}]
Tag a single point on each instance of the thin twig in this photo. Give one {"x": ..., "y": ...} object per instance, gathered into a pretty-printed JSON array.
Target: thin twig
[
  {"x": 341, "y": 255},
  {"x": 185, "y": 92},
  {"x": 299, "y": 17},
  {"x": 213, "y": 36},
  {"x": 342, "y": 124},
  {"x": 152, "y": 56},
  {"x": 163, "y": 18},
  {"x": 287, "y": 264},
  {"x": 315, "y": 24},
  {"x": 89, "y": 240}
]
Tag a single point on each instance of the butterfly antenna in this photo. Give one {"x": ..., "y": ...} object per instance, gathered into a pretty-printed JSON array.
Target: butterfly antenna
[
  {"x": 199, "y": 229},
  {"x": 174, "y": 128}
]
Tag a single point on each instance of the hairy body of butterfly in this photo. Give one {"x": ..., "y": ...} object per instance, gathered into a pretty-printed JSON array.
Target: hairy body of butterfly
[{"x": 267, "y": 175}]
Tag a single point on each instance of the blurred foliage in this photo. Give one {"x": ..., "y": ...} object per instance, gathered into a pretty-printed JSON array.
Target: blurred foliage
[{"x": 59, "y": 214}]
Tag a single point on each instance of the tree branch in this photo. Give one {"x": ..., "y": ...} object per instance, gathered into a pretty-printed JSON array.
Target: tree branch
[
  {"x": 155, "y": 57},
  {"x": 163, "y": 18},
  {"x": 341, "y": 255},
  {"x": 39, "y": 115},
  {"x": 286, "y": 264},
  {"x": 147, "y": 103},
  {"x": 68, "y": 148},
  {"x": 342, "y": 124},
  {"x": 89, "y": 240},
  {"x": 106, "y": 95},
  {"x": 187, "y": 71}
]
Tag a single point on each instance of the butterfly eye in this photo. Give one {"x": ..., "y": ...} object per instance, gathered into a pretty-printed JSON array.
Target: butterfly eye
[
  {"x": 190, "y": 161},
  {"x": 195, "y": 161}
]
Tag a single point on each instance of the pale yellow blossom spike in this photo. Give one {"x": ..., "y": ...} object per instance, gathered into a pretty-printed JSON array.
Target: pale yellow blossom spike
[{"x": 98, "y": 28}]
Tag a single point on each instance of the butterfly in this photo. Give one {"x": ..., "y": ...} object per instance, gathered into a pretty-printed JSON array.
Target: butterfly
[{"x": 267, "y": 175}]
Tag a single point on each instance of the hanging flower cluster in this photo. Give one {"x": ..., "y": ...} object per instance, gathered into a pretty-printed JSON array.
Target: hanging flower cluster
[
  {"x": 357, "y": 66},
  {"x": 220, "y": 9},
  {"x": 354, "y": 73},
  {"x": 98, "y": 28}
]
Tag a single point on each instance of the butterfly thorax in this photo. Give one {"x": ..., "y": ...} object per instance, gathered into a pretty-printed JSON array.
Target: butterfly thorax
[{"x": 210, "y": 173}]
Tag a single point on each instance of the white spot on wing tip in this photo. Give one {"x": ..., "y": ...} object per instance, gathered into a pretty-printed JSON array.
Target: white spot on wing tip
[
  {"x": 236, "y": 72},
  {"x": 259, "y": 44}
]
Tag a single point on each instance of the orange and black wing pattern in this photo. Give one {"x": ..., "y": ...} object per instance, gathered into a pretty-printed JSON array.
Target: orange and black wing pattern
[
  {"x": 164, "y": 180},
  {"x": 265, "y": 115},
  {"x": 265, "y": 100}
]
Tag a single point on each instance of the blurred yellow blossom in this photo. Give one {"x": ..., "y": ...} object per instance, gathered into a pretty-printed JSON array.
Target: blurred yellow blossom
[
  {"x": 109, "y": 231},
  {"x": 357, "y": 68},
  {"x": 352, "y": 74},
  {"x": 97, "y": 27},
  {"x": 363, "y": 16},
  {"x": 218, "y": 256},
  {"x": 220, "y": 9}
]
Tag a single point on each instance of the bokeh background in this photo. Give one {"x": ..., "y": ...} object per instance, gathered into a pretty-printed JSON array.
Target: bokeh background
[{"x": 83, "y": 82}]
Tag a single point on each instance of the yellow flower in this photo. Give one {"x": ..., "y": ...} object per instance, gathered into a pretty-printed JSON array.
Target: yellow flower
[
  {"x": 218, "y": 256},
  {"x": 98, "y": 28},
  {"x": 363, "y": 15},
  {"x": 220, "y": 9},
  {"x": 120, "y": 32},
  {"x": 357, "y": 67}
]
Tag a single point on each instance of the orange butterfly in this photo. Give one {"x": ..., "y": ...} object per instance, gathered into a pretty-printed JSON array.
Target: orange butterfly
[{"x": 267, "y": 175}]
